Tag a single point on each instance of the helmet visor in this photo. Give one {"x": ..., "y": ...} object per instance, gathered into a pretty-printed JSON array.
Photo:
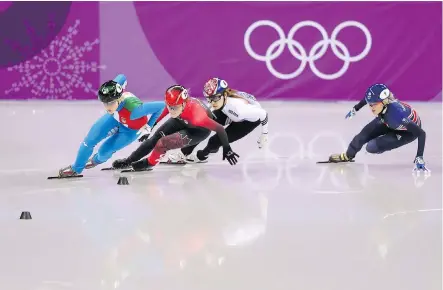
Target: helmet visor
[
  {"x": 214, "y": 98},
  {"x": 174, "y": 108}
]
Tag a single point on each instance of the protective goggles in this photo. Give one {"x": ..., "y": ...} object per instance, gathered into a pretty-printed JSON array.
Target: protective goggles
[
  {"x": 214, "y": 98},
  {"x": 174, "y": 108}
]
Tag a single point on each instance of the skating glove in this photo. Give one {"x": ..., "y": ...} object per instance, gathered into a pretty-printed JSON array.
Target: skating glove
[
  {"x": 230, "y": 155},
  {"x": 420, "y": 165},
  {"x": 262, "y": 140},
  {"x": 351, "y": 113},
  {"x": 144, "y": 133}
]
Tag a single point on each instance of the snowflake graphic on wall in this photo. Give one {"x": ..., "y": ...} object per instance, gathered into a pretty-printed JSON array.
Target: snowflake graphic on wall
[{"x": 58, "y": 69}]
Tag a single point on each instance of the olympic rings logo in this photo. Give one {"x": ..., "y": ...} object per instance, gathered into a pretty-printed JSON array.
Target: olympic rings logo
[
  {"x": 298, "y": 51},
  {"x": 299, "y": 171}
]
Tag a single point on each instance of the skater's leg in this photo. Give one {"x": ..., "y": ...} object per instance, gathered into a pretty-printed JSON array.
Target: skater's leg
[
  {"x": 391, "y": 140},
  {"x": 180, "y": 157},
  {"x": 220, "y": 118},
  {"x": 123, "y": 138},
  {"x": 169, "y": 127},
  {"x": 235, "y": 131},
  {"x": 372, "y": 130},
  {"x": 102, "y": 128},
  {"x": 188, "y": 150},
  {"x": 183, "y": 138}
]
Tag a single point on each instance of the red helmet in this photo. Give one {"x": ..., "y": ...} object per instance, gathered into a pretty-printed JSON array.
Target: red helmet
[{"x": 176, "y": 95}]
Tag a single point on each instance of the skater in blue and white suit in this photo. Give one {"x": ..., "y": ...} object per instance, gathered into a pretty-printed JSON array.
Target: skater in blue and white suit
[{"x": 125, "y": 121}]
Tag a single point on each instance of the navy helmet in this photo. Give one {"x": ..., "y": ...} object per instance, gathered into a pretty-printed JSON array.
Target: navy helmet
[{"x": 377, "y": 93}]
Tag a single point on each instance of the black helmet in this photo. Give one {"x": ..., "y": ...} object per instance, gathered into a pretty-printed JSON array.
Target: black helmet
[{"x": 110, "y": 91}]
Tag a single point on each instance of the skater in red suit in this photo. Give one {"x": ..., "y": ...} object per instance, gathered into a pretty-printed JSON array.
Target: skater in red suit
[{"x": 191, "y": 122}]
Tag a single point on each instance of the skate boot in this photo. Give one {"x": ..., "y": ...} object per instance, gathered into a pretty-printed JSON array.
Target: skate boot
[
  {"x": 173, "y": 158},
  {"x": 180, "y": 158},
  {"x": 67, "y": 172},
  {"x": 141, "y": 165},
  {"x": 196, "y": 158},
  {"x": 90, "y": 164},
  {"x": 342, "y": 157},
  {"x": 121, "y": 164}
]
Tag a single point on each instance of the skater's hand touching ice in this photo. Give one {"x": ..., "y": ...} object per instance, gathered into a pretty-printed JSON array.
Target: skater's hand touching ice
[
  {"x": 230, "y": 155},
  {"x": 420, "y": 166},
  {"x": 351, "y": 113}
]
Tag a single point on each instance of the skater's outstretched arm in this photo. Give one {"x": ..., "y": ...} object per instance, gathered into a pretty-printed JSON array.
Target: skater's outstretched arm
[
  {"x": 360, "y": 105},
  {"x": 121, "y": 80},
  {"x": 418, "y": 132},
  {"x": 210, "y": 124},
  {"x": 356, "y": 108},
  {"x": 151, "y": 108},
  {"x": 156, "y": 115},
  {"x": 162, "y": 115},
  {"x": 206, "y": 122}
]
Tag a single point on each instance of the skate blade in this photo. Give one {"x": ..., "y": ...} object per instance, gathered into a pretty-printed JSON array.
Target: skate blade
[
  {"x": 109, "y": 169},
  {"x": 196, "y": 162},
  {"x": 323, "y": 162},
  {"x": 173, "y": 163},
  {"x": 65, "y": 177},
  {"x": 135, "y": 171}
]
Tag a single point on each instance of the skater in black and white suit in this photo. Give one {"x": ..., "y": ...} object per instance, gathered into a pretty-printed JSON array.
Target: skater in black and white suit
[{"x": 239, "y": 111}]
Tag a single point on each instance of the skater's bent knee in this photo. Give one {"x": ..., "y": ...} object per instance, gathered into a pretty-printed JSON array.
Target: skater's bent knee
[
  {"x": 104, "y": 154},
  {"x": 162, "y": 145},
  {"x": 372, "y": 148},
  {"x": 90, "y": 142},
  {"x": 156, "y": 136},
  {"x": 170, "y": 142}
]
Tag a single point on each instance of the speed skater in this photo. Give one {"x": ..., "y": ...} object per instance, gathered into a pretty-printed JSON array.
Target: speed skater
[
  {"x": 396, "y": 124},
  {"x": 239, "y": 111},
  {"x": 126, "y": 119},
  {"x": 191, "y": 122}
]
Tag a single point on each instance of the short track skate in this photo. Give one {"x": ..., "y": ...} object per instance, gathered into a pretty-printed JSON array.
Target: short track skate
[
  {"x": 65, "y": 177},
  {"x": 328, "y": 161}
]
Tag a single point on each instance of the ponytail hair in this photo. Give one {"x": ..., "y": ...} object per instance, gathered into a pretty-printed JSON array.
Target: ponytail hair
[
  {"x": 232, "y": 93},
  {"x": 390, "y": 99}
]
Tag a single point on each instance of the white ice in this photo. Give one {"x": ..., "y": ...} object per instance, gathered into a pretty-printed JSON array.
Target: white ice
[{"x": 275, "y": 221}]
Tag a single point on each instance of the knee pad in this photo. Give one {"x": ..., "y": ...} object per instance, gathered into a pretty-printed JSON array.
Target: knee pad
[
  {"x": 371, "y": 147},
  {"x": 170, "y": 142},
  {"x": 161, "y": 146}
]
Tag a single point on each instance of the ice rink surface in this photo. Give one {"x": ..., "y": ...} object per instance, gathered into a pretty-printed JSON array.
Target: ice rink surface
[{"x": 275, "y": 221}]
